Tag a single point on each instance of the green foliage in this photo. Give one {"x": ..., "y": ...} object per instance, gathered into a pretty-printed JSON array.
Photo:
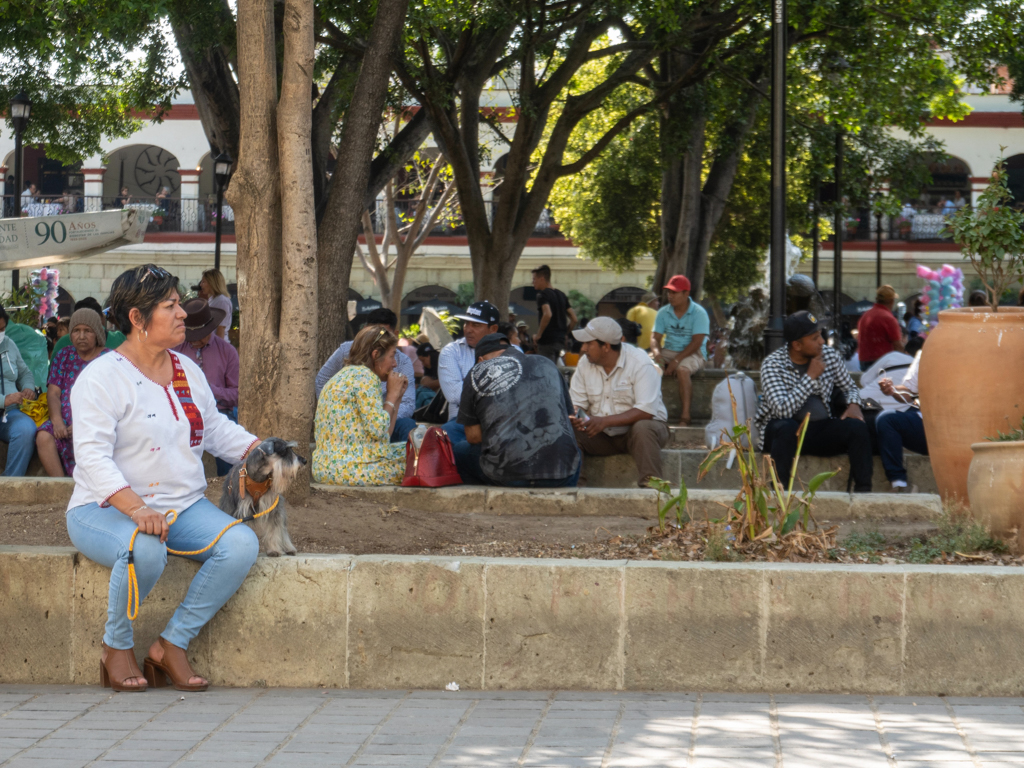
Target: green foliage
[
  {"x": 991, "y": 235},
  {"x": 465, "y": 294},
  {"x": 860, "y": 67},
  {"x": 958, "y": 534},
  {"x": 864, "y": 543},
  {"x": 610, "y": 208},
  {"x": 716, "y": 545},
  {"x": 1013, "y": 435},
  {"x": 677, "y": 501},
  {"x": 762, "y": 509},
  {"x": 20, "y": 308},
  {"x": 583, "y": 306},
  {"x": 95, "y": 61},
  {"x": 451, "y": 324}
]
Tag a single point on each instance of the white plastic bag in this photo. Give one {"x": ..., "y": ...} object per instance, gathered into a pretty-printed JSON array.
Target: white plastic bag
[{"x": 738, "y": 386}]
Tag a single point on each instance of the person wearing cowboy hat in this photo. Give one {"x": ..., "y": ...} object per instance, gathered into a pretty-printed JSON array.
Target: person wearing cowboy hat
[{"x": 215, "y": 356}]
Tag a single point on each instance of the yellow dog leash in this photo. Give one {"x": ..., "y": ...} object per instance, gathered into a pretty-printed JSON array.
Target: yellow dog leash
[{"x": 172, "y": 515}]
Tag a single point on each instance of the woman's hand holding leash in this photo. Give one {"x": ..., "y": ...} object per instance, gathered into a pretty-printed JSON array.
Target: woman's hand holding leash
[{"x": 153, "y": 523}]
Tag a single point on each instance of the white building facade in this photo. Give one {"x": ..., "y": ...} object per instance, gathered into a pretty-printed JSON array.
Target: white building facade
[{"x": 172, "y": 158}]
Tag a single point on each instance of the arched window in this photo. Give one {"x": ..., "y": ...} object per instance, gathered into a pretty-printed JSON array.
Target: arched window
[
  {"x": 951, "y": 178},
  {"x": 51, "y": 177},
  {"x": 144, "y": 169},
  {"x": 523, "y": 301},
  {"x": 436, "y": 296},
  {"x": 1015, "y": 172},
  {"x": 618, "y": 302}
]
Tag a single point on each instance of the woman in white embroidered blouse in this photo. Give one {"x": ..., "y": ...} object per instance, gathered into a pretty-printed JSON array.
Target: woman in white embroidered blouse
[{"x": 143, "y": 417}]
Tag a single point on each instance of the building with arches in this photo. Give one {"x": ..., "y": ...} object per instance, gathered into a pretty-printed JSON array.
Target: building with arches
[{"x": 172, "y": 158}]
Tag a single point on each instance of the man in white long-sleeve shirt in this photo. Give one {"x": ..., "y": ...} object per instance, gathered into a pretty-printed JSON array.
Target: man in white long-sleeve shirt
[
  {"x": 379, "y": 316},
  {"x": 458, "y": 358}
]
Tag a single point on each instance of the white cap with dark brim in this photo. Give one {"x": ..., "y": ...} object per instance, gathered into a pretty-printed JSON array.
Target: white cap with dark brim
[{"x": 600, "y": 329}]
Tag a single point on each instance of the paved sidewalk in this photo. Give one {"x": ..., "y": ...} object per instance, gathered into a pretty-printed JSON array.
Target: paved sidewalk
[{"x": 71, "y": 727}]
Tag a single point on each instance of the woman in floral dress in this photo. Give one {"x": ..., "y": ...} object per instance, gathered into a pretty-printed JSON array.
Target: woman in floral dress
[
  {"x": 53, "y": 439},
  {"x": 353, "y": 427}
]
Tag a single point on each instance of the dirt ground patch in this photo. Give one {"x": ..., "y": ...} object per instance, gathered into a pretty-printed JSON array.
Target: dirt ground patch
[{"x": 331, "y": 523}]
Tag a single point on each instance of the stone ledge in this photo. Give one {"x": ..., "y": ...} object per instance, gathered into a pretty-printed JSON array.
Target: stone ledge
[
  {"x": 36, "y": 490},
  {"x": 683, "y": 464},
  {"x": 382, "y": 621},
  {"x": 626, "y": 502}
]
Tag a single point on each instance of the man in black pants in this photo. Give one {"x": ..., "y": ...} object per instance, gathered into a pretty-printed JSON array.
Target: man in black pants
[{"x": 798, "y": 380}]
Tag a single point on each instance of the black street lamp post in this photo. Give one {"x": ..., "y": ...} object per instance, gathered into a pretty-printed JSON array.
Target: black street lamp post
[
  {"x": 777, "y": 267},
  {"x": 222, "y": 167},
  {"x": 815, "y": 231},
  {"x": 840, "y": 225},
  {"x": 878, "y": 239},
  {"x": 20, "y": 110}
]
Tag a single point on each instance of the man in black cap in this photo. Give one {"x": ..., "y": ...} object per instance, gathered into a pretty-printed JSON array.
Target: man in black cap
[
  {"x": 798, "y": 381},
  {"x": 457, "y": 358},
  {"x": 515, "y": 409}
]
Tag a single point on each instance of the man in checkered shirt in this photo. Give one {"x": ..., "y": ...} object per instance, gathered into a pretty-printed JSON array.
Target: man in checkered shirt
[{"x": 798, "y": 380}]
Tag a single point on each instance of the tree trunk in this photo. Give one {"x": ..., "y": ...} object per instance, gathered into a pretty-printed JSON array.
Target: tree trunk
[
  {"x": 682, "y": 126},
  {"x": 718, "y": 186},
  {"x": 209, "y": 72},
  {"x": 691, "y": 211},
  {"x": 299, "y": 366},
  {"x": 254, "y": 194},
  {"x": 346, "y": 194}
]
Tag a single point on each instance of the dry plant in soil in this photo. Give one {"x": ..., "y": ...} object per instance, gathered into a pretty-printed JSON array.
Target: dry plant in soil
[{"x": 764, "y": 521}]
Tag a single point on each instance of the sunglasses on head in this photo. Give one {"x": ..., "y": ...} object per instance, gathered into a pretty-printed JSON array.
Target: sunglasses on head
[{"x": 157, "y": 272}]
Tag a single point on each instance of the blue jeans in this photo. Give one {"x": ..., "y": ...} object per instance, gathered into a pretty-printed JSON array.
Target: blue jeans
[
  {"x": 222, "y": 466},
  {"x": 467, "y": 461},
  {"x": 456, "y": 432},
  {"x": 896, "y": 430},
  {"x": 102, "y": 535},
  {"x": 19, "y": 432},
  {"x": 402, "y": 429}
]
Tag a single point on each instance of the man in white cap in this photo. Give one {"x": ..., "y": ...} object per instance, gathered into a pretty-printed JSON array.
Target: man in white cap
[{"x": 617, "y": 391}]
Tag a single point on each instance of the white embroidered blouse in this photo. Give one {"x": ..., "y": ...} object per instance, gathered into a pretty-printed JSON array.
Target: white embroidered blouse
[{"x": 131, "y": 432}]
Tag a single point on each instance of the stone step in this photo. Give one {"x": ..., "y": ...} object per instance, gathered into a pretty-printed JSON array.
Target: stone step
[
  {"x": 829, "y": 506},
  {"x": 686, "y": 437},
  {"x": 682, "y": 464}
]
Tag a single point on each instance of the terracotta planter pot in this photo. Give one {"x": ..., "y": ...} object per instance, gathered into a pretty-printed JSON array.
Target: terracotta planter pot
[
  {"x": 970, "y": 381},
  {"x": 995, "y": 485}
]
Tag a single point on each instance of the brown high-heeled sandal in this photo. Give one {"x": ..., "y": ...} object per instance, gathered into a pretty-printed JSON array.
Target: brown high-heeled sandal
[
  {"x": 174, "y": 667},
  {"x": 120, "y": 666}
]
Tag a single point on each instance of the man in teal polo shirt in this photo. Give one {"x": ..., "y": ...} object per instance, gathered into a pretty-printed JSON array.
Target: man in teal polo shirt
[{"x": 680, "y": 340}]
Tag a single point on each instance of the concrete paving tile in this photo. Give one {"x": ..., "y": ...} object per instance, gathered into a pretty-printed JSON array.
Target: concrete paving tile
[
  {"x": 708, "y": 750},
  {"x": 837, "y": 761},
  {"x": 734, "y": 762}
]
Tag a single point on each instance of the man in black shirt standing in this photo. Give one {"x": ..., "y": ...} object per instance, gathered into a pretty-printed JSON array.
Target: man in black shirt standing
[{"x": 554, "y": 315}]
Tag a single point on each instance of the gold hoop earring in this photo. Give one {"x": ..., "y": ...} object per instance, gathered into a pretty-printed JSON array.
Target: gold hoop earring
[{"x": 145, "y": 334}]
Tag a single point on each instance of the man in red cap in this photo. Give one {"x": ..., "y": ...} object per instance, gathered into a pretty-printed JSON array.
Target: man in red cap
[{"x": 680, "y": 339}]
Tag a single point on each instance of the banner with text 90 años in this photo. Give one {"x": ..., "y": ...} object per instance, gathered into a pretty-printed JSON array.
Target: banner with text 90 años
[{"x": 41, "y": 241}]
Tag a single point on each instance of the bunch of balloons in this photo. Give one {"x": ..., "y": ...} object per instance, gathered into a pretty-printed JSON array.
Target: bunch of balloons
[
  {"x": 43, "y": 287},
  {"x": 944, "y": 289}
]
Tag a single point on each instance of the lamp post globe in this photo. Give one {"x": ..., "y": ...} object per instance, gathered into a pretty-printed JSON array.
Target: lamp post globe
[
  {"x": 222, "y": 168},
  {"x": 19, "y": 111}
]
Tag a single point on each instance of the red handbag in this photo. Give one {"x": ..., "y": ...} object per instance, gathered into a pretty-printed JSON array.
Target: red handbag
[{"x": 429, "y": 459}]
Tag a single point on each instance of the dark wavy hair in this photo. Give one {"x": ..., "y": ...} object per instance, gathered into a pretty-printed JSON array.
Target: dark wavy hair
[{"x": 141, "y": 288}]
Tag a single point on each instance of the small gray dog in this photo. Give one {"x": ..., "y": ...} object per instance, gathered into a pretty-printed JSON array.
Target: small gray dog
[{"x": 253, "y": 485}]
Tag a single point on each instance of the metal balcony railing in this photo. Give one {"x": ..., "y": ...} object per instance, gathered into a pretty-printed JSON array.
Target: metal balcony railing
[
  {"x": 451, "y": 224},
  {"x": 166, "y": 215}
]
